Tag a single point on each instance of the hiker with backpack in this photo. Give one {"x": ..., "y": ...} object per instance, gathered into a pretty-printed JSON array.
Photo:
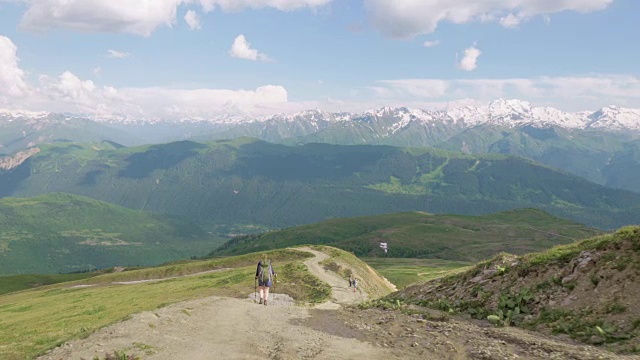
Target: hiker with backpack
[
  {"x": 265, "y": 277},
  {"x": 355, "y": 284}
]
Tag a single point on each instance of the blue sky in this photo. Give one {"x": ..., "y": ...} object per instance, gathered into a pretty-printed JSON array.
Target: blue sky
[{"x": 291, "y": 55}]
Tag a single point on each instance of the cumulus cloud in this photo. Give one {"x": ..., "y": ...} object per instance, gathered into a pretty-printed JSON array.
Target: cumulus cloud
[
  {"x": 140, "y": 17},
  {"x": 241, "y": 49},
  {"x": 115, "y": 54},
  {"x": 136, "y": 17},
  {"x": 69, "y": 93},
  {"x": 193, "y": 20},
  {"x": 12, "y": 77},
  {"x": 408, "y": 18},
  {"x": 97, "y": 71},
  {"x": 510, "y": 21},
  {"x": 429, "y": 44},
  {"x": 469, "y": 61}
]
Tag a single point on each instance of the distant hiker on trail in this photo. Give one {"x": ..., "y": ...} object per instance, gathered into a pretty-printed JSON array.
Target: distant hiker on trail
[
  {"x": 355, "y": 284},
  {"x": 265, "y": 276},
  {"x": 351, "y": 280}
]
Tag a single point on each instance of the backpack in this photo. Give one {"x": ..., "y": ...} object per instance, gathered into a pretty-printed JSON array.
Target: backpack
[{"x": 265, "y": 272}]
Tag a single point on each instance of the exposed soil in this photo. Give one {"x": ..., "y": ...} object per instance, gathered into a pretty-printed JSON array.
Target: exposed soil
[{"x": 225, "y": 328}]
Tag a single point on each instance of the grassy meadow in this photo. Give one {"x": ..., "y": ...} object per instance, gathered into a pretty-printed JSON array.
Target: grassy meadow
[{"x": 403, "y": 272}]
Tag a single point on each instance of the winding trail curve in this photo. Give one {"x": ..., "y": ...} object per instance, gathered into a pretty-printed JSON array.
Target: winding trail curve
[{"x": 341, "y": 294}]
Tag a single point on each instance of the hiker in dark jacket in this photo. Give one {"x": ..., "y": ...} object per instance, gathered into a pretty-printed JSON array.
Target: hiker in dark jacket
[{"x": 265, "y": 276}]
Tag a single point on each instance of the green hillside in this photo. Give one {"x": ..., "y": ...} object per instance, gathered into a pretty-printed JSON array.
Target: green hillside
[
  {"x": 609, "y": 159},
  {"x": 587, "y": 290},
  {"x": 66, "y": 233},
  {"x": 421, "y": 235},
  {"x": 234, "y": 186}
]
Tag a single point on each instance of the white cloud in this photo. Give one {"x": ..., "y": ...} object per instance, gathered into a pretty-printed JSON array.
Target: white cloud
[
  {"x": 469, "y": 61},
  {"x": 241, "y": 48},
  {"x": 568, "y": 92},
  {"x": 420, "y": 88},
  {"x": 178, "y": 103},
  {"x": 429, "y": 44},
  {"x": 68, "y": 93},
  {"x": 193, "y": 20},
  {"x": 408, "y": 18},
  {"x": 97, "y": 71},
  {"x": 140, "y": 17},
  {"x": 12, "y": 77},
  {"x": 510, "y": 21},
  {"x": 283, "y": 5},
  {"x": 115, "y": 54}
]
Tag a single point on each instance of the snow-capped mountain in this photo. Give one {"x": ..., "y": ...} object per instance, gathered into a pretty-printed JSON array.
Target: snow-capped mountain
[{"x": 501, "y": 112}]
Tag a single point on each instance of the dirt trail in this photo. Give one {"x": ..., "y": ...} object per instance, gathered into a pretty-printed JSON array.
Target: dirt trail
[
  {"x": 341, "y": 293},
  {"x": 148, "y": 280},
  {"x": 225, "y": 328}
]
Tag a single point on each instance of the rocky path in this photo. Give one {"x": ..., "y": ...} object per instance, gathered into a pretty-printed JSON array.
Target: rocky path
[{"x": 225, "y": 328}]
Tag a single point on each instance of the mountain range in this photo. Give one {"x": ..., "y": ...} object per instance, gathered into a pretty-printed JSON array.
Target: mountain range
[
  {"x": 246, "y": 185},
  {"x": 500, "y": 112},
  {"x": 601, "y": 146}
]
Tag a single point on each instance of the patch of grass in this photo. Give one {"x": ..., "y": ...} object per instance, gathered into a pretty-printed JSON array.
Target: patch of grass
[
  {"x": 117, "y": 356},
  {"x": 615, "y": 308},
  {"x": 147, "y": 349},
  {"x": 296, "y": 281},
  {"x": 403, "y": 272},
  {"x": 570, "y": 285}
]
